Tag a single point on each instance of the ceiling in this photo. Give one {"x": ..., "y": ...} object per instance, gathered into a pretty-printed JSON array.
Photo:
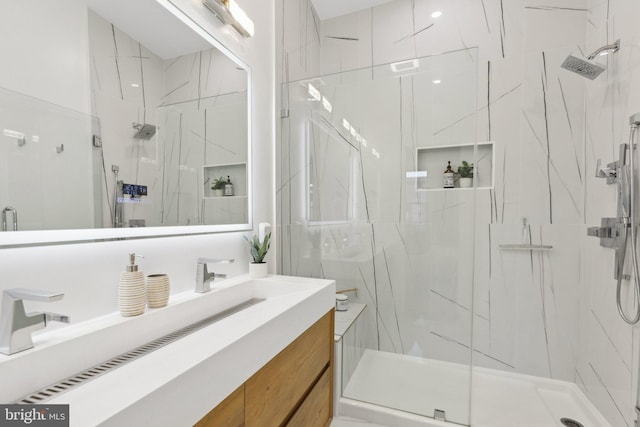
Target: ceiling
[
  {"x": 328, "y": 9},
  {"x": 152, "y": 25}
]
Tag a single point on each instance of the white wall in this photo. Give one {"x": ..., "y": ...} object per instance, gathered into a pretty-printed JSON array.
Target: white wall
[{"x": 88, "y": 273}]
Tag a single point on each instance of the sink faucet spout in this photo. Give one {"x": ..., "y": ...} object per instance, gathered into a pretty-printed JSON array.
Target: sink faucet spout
[
  {"x": 16, "y": 325},
  {"x": 204, "y": 277}
]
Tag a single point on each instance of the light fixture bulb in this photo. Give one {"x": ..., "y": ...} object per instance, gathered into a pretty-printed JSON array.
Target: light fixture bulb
[
  {"x": 437, "y": 82},
  {"x": 436, "y": 14}
]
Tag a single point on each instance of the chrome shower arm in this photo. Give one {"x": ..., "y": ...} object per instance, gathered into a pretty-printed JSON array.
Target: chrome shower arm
[{"x": 613, "y": 47}]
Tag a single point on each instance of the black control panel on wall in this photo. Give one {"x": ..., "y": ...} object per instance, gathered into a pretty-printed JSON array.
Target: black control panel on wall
[{"x": 134, "y": 190}]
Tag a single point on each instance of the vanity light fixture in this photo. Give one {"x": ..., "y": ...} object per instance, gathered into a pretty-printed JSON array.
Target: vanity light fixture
[{"x": 230, "y": 13}]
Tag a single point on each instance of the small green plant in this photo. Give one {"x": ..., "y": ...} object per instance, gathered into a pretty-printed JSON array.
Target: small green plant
[
  {"x": 257, "y": 249},
  {"x": 218, "y": 184},
  {"x": 466, "y": 170}
]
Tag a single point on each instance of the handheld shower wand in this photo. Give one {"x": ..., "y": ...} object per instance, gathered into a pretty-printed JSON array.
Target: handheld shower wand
[{"x": 628, "y": 215}]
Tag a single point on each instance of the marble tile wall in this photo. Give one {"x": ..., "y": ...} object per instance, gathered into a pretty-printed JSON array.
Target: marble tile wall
[
  {"x": 545, "y": 313},
  {"x": 197, "y": 103},
  {"x": 608, "y": 363}
]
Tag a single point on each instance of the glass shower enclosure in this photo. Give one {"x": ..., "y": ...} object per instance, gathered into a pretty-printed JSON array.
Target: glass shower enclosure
[{"x": 363, "y": 155}]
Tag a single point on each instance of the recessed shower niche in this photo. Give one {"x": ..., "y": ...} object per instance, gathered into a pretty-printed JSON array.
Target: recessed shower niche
[
  {"x": 237, "y": 173},
  {"x": 434, "y": 160}
]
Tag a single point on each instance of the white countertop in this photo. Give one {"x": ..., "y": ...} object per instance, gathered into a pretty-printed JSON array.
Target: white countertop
[{"x": 179, "y": 383}]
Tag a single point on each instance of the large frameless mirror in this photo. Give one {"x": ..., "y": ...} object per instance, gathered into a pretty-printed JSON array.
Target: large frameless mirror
[{"x": 119, "y": 119}]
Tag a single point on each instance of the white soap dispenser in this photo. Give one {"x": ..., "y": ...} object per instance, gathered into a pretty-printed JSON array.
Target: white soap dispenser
[{"x": 132, "y": 292}]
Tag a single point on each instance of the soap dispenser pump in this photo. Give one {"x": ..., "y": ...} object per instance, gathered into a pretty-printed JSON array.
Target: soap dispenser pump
[{"x": 132, "y": 292}]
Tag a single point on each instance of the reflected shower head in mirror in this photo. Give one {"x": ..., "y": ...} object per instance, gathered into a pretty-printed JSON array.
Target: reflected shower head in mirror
[
  {"x": 144, "y": 131},
  {"x": 587, "y": 68}
]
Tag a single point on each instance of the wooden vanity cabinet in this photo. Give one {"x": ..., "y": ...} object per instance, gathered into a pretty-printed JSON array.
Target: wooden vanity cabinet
[
  {"x": 295, "y": 388},
  {"x": 229, "y": 413}
]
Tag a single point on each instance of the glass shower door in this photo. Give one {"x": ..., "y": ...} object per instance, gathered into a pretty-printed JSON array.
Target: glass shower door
[{"x": 362, "y": 202}]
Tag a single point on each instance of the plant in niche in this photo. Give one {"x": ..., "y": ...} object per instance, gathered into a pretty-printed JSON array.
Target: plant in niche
[
  {"x": 466, "y": 170},
  {"x": 259, "y": 249},
  {"x": 218, "y": 183}
]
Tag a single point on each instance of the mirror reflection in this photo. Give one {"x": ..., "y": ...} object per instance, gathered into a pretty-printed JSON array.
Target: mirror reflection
[{"x": 163, "y": 140}]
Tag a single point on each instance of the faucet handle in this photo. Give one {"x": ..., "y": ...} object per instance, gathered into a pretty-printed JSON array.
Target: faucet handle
[
  {"x": 34, "y": 294},
  {"x": 55, "y": 317},
  {"x": 215, "y": 261}
]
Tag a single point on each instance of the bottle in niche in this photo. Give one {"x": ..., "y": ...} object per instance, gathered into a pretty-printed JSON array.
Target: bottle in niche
[
  {"x": 228, "y": 187},
  {"x": 448, "y": 176}
]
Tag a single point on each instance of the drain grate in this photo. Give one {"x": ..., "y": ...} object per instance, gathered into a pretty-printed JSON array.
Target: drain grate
[
  {"x": 570, "y": 423},
  {"x": 54, "y": 390}
]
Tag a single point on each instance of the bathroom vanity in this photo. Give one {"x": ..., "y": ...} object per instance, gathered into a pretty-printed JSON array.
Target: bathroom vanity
[
  {"x": 294, "y": 388},
  {"x": 270, "y": 363}
]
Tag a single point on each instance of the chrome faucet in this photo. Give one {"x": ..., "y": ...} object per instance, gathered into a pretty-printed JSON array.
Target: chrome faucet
[
  {"x": 16, "y": 325},
  {"x": 14, "y": 212},
  {"x": 203, "y": 277}
]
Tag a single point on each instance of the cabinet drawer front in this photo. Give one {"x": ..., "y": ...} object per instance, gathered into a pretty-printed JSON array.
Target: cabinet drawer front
[
  {"x": 274, "y": 392},
  {"x": 315, "y": 411},
  {"x": 229, "y": 413}
]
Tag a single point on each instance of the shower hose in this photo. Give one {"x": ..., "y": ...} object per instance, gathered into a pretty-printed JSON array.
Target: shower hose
[{"x": 630, "y": 228}]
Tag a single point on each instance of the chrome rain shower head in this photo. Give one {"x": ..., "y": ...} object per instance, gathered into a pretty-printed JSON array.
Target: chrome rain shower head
[
  {"x": 587, "y": 68},
  {"x": 144, "y": 131},
  {"x": 583, "y": 67}
]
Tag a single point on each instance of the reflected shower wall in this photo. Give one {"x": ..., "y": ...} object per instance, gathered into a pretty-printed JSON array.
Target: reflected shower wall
[
  {"x": 197, "y": 136},
  {"x": 356, "y": 206},
  {"x": 198, "y": 104},
  {"x": 40, "y": 145}
]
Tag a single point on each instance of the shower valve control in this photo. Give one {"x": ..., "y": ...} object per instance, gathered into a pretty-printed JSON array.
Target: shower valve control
[
  {"x": 610, "y": 172},
  {"x": 610, "y": 232}
]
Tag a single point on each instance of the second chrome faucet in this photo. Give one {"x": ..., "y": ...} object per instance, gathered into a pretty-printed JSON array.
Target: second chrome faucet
[{"x": 204, "y": 277}]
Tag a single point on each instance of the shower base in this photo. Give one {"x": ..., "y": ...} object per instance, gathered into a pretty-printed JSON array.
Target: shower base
[{"x": 398, "y": 390}]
